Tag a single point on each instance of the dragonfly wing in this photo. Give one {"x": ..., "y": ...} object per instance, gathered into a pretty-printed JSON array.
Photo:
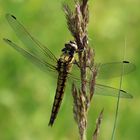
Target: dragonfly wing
[
  {"x": 32, "y": 45},
  {"x": 75, "y": 73},
  {"x": 100, "y": 89},
  {"x": 114, "y": 69},
  {"x": 103, "y": 89},
  {"x": 105, "y": 70},
  {"x": 43, "y": 65},
  {"x": 111, "y": 91}
]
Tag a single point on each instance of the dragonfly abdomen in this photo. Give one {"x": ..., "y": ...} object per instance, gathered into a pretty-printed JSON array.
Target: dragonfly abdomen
[
  {"x": 64, "y": 65},
  {"x": 62, "y": 78}
]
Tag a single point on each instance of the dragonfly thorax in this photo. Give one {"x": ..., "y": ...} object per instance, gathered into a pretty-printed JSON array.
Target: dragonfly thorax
[
  {"x": 69, "y": 49},
  {"x": 67, "y": 57}
]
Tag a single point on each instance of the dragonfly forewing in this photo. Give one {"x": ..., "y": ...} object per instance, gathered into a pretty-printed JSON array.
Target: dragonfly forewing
[
  {"x": 32, "y": 45},
  {"x": 106, "y": 70},
  {"x": 114, "y": 69}
]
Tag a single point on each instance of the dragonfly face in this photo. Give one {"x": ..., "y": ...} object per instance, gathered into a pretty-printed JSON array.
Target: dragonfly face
[
  {"x": 68, "y": 52},
  {"x": 41, "y": 56},
  {"x": 70, "y": 48}
]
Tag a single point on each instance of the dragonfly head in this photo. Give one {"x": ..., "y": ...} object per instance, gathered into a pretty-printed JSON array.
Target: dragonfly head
[{"x": 70, "y": 48}]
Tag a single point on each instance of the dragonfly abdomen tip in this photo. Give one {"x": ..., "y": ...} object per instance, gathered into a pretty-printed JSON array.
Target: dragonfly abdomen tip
[{"x": 51, "y": 122}]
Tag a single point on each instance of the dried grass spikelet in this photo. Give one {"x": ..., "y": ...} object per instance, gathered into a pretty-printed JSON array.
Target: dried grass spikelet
[
  {"x": 80, "y": 111},
  {"x": 98, "y": 123},
  {"x": 82, "y": 104},
  {"x": 77, "y": 22}
]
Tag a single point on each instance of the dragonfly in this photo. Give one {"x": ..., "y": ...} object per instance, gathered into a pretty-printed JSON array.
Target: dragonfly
[{"x": 42, "y": 57}]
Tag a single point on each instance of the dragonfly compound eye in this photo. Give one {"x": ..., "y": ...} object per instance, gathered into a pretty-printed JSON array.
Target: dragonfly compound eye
[
  {"x": 71, "y": 52},
  {"x": 64, "y": 50}
]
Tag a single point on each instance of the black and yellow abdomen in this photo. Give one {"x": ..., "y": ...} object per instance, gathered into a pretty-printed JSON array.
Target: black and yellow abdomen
[
  {"x": 63, "y": 70},
  {"x": 62, "y": 78}
]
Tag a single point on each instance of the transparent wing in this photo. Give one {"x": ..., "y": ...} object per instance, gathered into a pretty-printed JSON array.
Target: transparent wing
[
  {"x": 32, "y": 45},
  {"x": 42, "y": 64},
  {"x": 110, "y": 91},
  {"x": 106, "y": 70},
  {"x": 111, "y": 70}
]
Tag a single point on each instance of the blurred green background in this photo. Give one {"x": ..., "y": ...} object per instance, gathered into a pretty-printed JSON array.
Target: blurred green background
[{"x": 26, "y": 93}]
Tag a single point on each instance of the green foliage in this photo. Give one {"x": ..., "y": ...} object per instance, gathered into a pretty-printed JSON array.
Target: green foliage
[{"x": 26, "y": 94}]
